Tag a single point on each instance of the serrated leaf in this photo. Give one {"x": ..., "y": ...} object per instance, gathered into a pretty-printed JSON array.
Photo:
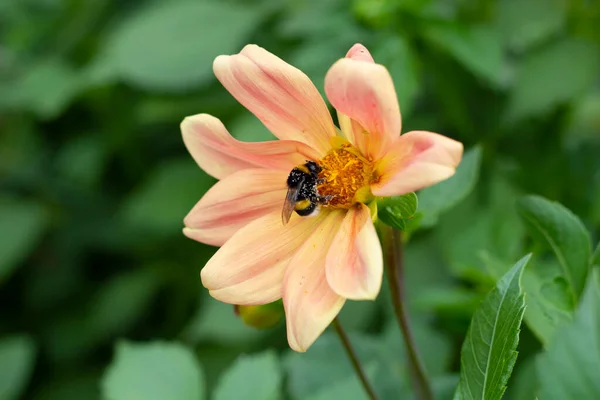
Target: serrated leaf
[
  {"x": 489, "y": 351},
  {"x": 168, "y": 46},
  {"x": 560, "y": 230},
  {"x": 153, "y": 371},
  {"x": 540, "y": 84},
  {"x": 251, "y": 377},
  {"x": 441, "y": 197},
  {"x": 569, "y": 368},
  {"x": 17, "y": 358},
  {"x": 21, "y": 225},
  {"x": 476, "y": 47},
  {"x": 394, "y": 211}
]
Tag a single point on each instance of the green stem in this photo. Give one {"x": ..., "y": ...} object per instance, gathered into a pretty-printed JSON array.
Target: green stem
[
  {"x": 395, "y": 269},
  {"x": 354, "y": 359}
]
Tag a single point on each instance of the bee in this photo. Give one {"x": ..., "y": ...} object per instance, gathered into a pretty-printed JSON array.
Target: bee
[{"x": 302, "y": 195}]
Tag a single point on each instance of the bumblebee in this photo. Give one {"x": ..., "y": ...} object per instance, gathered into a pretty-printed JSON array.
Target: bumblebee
[{"x": 302, "y": 195}]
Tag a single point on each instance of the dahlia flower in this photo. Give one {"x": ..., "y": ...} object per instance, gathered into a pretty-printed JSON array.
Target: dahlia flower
[{"x": 313, "y": 263}]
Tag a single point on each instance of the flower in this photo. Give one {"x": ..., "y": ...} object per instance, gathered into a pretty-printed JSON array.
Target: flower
[{"x": 313, "y": 263}]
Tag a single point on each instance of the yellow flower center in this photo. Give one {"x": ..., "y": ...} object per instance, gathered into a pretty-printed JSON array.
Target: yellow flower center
[{"x": 345, "y": 177}]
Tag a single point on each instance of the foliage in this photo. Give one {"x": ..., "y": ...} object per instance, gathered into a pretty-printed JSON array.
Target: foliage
[
  {"x": 489, "y": 350},
  {"x": 100, "y": 289}
]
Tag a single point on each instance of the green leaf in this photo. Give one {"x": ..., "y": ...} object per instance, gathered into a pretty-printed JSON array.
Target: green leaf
[
  {"x": 326, "y": 362},
  {"x": 476, "y": 47},
  {"x": 348, "y": 389},
  {"x": 525, "y": 24},
  {"x": 439, "y": 198},
  {"x": 167, "y": 46},
  {"x": 82, "y": 160},
  {"x": 46, "y": 88},
  {"x": 17, "y": 359},
  {"x": 168, "y": 194},
  {"x": 21, "y": 225},
  {"x": 323, "y": 363},
  {"x": 434, "y": 348},
  {"x": 540, "y": 85},
  {"x": 121, "y": 302},
  {"x": 489, "y": 350},
  {"x": 560, "y": 230},
  {"x": 153, "y": 371},
  {"x": 481, "y": 237},
  {"x": 569, "y": 368},
  {"x": 394, "y": 211},
  {"x": 252, "y": 377},
  {"x": 550, "y": 302}
]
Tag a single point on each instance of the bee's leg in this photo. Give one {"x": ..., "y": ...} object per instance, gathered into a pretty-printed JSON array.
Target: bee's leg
[
  {"x": 320, "y": 181},
  {"x": 327, "y": 199}
]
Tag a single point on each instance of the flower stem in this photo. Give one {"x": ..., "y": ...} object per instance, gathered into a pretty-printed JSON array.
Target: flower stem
[
  {"x": 354, "y": 359},
  {"x": 395, "y": 269}
]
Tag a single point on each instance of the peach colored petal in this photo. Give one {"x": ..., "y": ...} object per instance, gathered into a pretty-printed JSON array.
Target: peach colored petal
[
  {"x": 219, "y": 154},
  {"x": 249, "y": 268},
  {"x": 354, "y": 266},
  {"x": 360, "y": 53},
  {"x": 235, "y": 201},
  {"x": 365, "y": 92},
  {"x": 310, "y": 304},
  {"x": 280, "y": 95},
  {"x": 418, "y": 159}
]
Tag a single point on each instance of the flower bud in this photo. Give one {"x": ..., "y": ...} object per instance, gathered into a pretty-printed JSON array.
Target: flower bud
[{"x": 261, "y": 317}]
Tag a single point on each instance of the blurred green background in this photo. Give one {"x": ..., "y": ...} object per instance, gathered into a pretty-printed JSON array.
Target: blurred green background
[{"x": 95, "y": 181}]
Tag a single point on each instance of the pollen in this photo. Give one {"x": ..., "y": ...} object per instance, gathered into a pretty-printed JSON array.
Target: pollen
[{"x": 344, "y": 177}]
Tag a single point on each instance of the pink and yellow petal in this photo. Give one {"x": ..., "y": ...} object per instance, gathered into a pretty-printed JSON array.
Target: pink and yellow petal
[
  {"x": 233, "y": 202},
  {"x": 220, "y": 155},
  {"x": 416, "y": 160},
  {"x": 359, "y": 52},
  {"x": 364, "y": 92},
  {"x": 280, "y": 95},
  {"x": 249, "y": 269},
  {"x": 354, "y": 266},
  {"x": 310, "y": 304}
]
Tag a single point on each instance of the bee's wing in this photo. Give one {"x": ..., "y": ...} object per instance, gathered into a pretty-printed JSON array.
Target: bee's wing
[{"x": 289, "y": 203}]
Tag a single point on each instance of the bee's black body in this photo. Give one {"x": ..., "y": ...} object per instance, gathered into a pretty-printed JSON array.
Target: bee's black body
[{"x": 302, "y": 195}]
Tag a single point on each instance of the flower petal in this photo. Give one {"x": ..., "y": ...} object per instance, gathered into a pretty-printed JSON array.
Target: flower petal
[
  {"x": 280, "y": 95},
  {"x": 310, "y": 304},
  {"x": 418, "y": 159},
  {"x": 235, "y": 201},
  {"x": 355, "y": 260},
  {"x": 360, "y": 53},
  {"x": 219, "y": 154},
  {"x": 364, "y": 92},
  {"x": 249, "y": 268}
]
